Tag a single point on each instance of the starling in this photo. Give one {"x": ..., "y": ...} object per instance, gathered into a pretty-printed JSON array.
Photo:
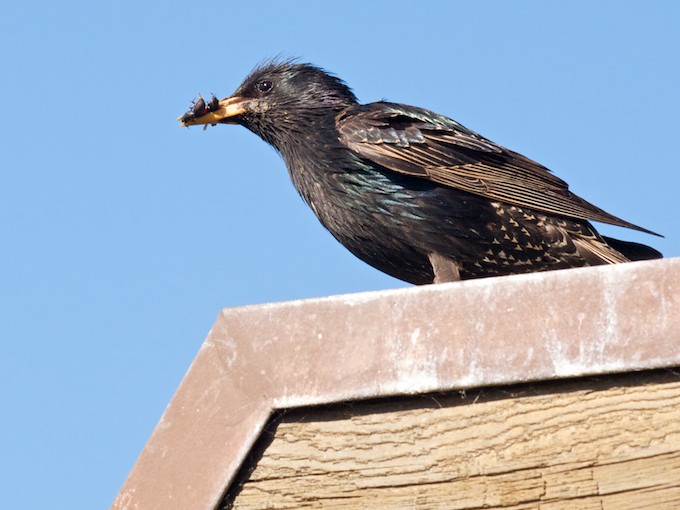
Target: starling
[{"x": 411, "y": 192}]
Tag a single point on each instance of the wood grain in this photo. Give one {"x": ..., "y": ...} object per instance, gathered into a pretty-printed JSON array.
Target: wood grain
[{"x": 598, "y": 443}]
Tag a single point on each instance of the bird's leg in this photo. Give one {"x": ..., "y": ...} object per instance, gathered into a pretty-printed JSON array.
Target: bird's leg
[{"x": 445, "y": 269}]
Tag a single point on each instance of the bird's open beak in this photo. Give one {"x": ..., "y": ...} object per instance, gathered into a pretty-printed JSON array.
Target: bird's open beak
[{"x": 215, "y": 112}]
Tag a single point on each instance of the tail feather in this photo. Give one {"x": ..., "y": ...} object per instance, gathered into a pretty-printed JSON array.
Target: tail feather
[
  {"x": 596, "y": 251},
  {"x": 633, "y": 251}
]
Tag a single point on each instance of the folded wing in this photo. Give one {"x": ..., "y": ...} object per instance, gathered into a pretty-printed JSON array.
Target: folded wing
[{"x": 418, "y": 142}]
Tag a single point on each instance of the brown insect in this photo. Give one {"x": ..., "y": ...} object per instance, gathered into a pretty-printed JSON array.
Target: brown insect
[
  {"x": 198, "y": 108},
  {"x": 214, "y": 104}
]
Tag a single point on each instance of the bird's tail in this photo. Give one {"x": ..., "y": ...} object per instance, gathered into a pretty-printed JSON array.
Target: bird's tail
[
  {"x": 605, "y": 250},
  {"x": 633, "y": 251}
]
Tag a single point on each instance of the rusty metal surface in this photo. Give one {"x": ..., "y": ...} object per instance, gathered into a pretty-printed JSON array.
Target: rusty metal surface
[{"x": 432, "y": 338}]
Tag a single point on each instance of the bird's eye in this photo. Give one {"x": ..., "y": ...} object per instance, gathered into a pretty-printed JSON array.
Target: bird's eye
[{"x": 264, "y": 86}]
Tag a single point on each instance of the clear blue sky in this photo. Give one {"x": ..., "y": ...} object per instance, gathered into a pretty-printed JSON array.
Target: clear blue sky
[{"x": 123, "y": 235}]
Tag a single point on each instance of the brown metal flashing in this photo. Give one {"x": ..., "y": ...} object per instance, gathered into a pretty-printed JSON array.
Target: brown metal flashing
[{"x": 433, "y": 338}]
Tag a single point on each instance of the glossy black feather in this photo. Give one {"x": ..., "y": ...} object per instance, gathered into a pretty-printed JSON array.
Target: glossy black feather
[
  {"x": 420, "y": 142},
  {"x": 416, "y": 194}
]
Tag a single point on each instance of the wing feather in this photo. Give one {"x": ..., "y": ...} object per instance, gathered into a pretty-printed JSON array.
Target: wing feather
[{"x": 421, "y": 143}]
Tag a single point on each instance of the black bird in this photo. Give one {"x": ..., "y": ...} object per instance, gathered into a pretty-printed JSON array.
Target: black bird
[{"x": 413, "y": 193}]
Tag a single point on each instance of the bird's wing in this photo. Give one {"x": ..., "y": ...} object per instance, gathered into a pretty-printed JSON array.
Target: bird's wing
[{"x": 418, "y": 142}]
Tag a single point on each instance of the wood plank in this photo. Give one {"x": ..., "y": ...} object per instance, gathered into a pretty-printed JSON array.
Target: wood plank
[{"x": 597, "y": 443}]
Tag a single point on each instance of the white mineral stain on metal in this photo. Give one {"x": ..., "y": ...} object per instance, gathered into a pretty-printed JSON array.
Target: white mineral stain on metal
[
  {"x": 415, "y": 335},
  {"x": 590, "y": 358},
  {"x": 415, "y": 367}
]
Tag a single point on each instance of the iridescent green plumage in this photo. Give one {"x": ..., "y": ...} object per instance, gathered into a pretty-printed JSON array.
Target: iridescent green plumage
[{"x": 413, "y": 193}]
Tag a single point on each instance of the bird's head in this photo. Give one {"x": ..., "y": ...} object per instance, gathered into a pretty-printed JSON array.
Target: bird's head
[{"x": 276, "y": 101}]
